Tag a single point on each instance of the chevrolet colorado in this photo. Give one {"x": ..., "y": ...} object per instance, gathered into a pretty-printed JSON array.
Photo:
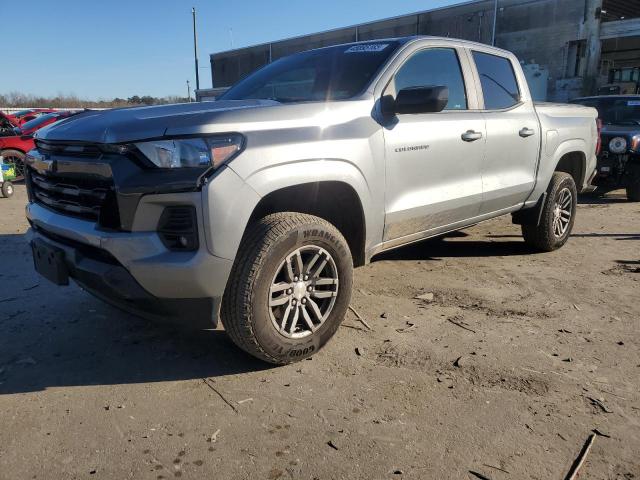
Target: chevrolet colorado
[{"x": 255, "y": 208}]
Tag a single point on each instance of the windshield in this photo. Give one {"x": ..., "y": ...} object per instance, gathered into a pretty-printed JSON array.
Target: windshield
[
  {"x": 332, "y": 73},
  {"x": 36, "y": 122},
  {"x": 615, "y": 110},
  {"x": 22, "y": 113}
]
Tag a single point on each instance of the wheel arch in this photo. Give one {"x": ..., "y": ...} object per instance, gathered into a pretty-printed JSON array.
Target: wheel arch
[
  {"x": 17, "y": 149},
  {"x": 575, "y": 164},
  {"x": 344, "y": 211}
]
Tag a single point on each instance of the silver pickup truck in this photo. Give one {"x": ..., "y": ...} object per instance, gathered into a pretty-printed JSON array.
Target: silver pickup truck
[{"x": 256, "y": 208}]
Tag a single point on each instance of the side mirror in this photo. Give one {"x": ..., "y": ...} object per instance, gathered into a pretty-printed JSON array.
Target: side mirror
[{"x": 431, "y": 99}]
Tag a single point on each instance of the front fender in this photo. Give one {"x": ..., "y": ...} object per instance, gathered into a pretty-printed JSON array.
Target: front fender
[{"x": 229, "y": 200}]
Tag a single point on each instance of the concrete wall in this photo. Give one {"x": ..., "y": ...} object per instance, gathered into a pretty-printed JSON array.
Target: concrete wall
[
  {"x": 538, "y": 31},
  {"x": 541, "y": 32},
  {"x": 561, "y": 36}
]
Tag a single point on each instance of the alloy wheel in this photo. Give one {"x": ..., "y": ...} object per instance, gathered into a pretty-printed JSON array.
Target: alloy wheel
[
  {"x": 303, "y": 291},
  {"x": 562, "y": 211}
]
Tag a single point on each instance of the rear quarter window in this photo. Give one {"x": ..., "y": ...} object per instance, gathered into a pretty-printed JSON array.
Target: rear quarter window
[{"x": 498, "y": 81}]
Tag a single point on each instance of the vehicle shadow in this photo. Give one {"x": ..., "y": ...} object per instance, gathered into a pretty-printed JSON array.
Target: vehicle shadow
[
  {"x": 617, "y": 236},
  {"x": 446, "y": 246},
  {"x": 61, "y": 336},
  {"x": 629, "y": 266},
  {"x": 596, "y": 198}
]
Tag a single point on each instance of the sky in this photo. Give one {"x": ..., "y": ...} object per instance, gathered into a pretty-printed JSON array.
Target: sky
[{"x": 101, "y": 49}]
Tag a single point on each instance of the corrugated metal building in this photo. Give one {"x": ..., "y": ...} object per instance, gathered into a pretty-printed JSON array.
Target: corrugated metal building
[{"x": 568, "y": 47}]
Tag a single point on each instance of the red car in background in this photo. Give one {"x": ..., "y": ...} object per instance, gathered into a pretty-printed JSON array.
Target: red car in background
[
  {"x": 13, "y": 148},
  {"x": 24, "y": 116},
  {"x": 7, "y": 124}
]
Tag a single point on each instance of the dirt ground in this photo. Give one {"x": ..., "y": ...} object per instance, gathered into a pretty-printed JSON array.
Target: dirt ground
[{"x": 504, "y": 370}]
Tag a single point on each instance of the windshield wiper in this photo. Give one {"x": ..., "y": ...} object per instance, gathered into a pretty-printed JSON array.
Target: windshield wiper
[{"x": 287, "y": 99}]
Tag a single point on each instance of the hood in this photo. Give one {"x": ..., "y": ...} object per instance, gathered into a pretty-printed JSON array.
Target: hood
[
  {"x": 242, "y": 116},
  {"x": 123, "y": 125},
  {"x": 622, "y": 130}
]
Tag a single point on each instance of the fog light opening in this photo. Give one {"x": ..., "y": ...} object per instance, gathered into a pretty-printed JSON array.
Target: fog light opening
[{"x": 178, "y": 228}]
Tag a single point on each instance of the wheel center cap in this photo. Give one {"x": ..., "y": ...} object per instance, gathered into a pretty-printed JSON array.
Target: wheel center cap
[{"x": 299, "y": 290}]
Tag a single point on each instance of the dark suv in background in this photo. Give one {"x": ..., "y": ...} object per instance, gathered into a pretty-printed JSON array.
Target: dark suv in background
[{"x": 619, "y": 158}]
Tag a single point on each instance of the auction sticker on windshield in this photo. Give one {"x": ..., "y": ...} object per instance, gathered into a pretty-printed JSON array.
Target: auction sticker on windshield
[
  {"x": 372, "y": 47},
  {"x": 633, "y": 103}
]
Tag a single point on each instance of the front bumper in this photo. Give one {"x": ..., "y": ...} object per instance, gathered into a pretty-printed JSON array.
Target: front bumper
[
  {"x": 134, "y": 270},
  {"x": 617, "y": 170}
]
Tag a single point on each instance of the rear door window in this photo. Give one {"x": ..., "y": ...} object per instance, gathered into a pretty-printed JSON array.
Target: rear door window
[{"x": 498, "y": 80}]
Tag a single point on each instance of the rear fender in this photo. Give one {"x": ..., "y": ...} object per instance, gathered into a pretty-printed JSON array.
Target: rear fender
[{"x": 550, "y": 164}]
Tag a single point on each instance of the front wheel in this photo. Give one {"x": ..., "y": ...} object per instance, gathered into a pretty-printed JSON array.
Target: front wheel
[
  {"x": 289, "y": 288},
  {"x": 558, "y": 215}
]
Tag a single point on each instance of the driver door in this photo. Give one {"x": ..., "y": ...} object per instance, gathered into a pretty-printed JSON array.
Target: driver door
[{"x": 433, "y": 161}]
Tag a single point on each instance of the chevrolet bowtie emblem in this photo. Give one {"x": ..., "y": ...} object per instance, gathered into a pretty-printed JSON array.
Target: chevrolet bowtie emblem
[{"x": 40, "y": 163}]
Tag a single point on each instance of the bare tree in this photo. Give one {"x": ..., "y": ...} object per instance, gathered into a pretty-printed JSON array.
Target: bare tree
[{"x": 19, "y": 100}]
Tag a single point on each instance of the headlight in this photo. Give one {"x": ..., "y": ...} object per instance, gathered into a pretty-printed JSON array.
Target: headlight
[
  {"x": 618, "y": 145},
  {"x": 635, "y": 143},
  {"x": 211, "y": 151}
]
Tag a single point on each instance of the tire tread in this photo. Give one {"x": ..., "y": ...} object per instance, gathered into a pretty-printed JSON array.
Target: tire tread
[
  {"x": 633, "y": 192},
  {"x": 540, "y": 236},
  {"x": 236, "y": 310}
]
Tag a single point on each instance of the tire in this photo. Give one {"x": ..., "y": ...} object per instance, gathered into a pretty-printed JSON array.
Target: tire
[
  {"x": 253, "y": 309},
  {"x": 7, "y": 189},
  {"x": 549, "y": 235},
  {"x": 15, "y": 157},
  {"x": 633, "y": 192}
]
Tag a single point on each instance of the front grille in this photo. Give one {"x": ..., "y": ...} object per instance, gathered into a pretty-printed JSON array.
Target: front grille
[
  {"x": 87, "y": 197},
  {"x": 74, "y": 149},
  {"x": 73, "y": 179},
  {"x": 79, "y": 198},
  {"x": 605, "y": 139}
]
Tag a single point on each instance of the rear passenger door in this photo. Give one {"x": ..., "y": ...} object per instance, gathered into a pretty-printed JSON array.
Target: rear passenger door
[
  {"x": 433, "y": 161},
  {"x": 513, "y": 132}
]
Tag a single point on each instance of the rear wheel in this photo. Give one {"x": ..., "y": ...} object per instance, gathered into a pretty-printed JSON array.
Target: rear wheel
[
  {"x": 558, "y": 215},
  {"x": 289, "y": 288},
  {"x": 15, "y": 158}
]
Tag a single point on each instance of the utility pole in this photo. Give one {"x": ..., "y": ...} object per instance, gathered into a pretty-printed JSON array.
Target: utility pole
[
  {"x": 495, "y": 21},
  {"x": 188, "y": 91},
  {"x": 593, "y": 46},
  {"x": 195, "y": 48}
]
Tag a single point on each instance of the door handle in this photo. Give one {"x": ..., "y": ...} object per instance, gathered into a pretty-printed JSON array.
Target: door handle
[
  {"x": 527, "y": 132},
  {"x": 471, "y": 136}
]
